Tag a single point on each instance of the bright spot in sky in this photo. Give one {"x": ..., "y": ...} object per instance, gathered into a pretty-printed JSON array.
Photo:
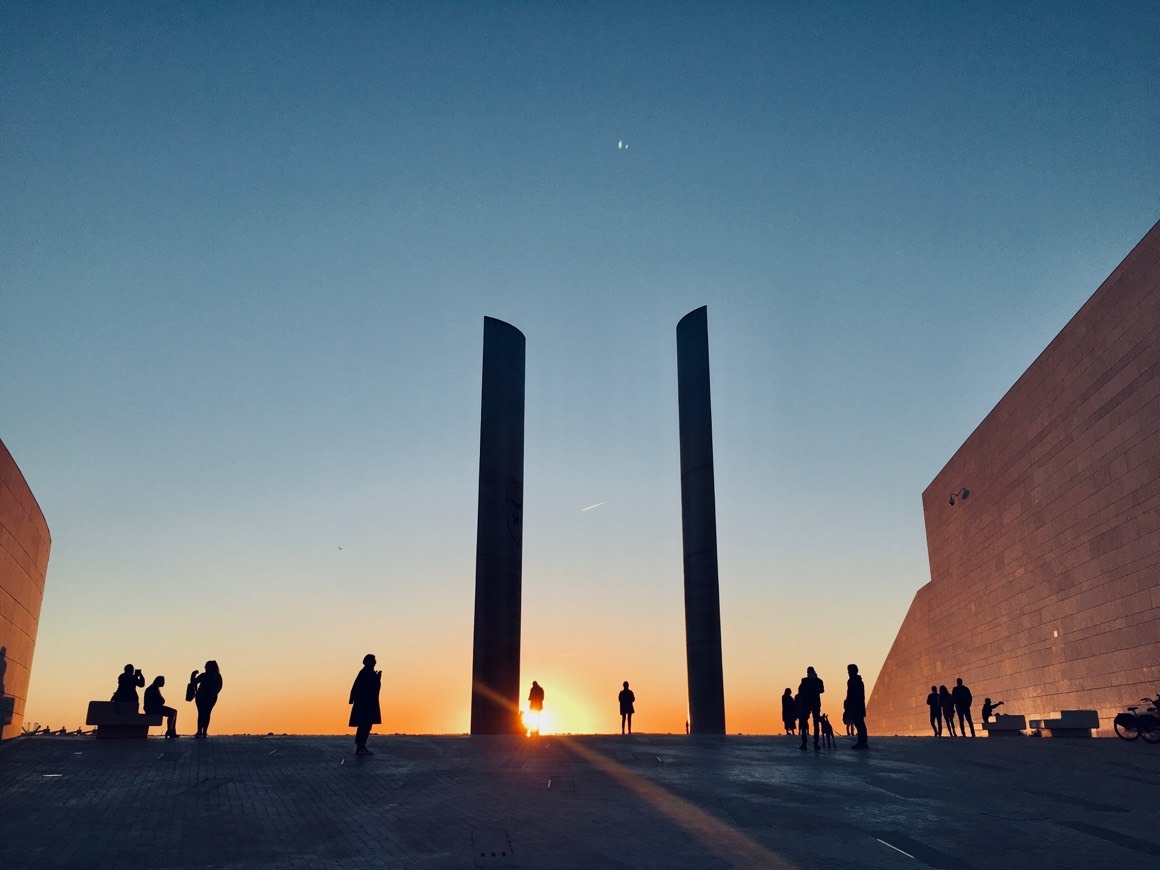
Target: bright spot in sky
[
  {"x": 591, "y": 506},
  {"x": 621, "y": 146}
]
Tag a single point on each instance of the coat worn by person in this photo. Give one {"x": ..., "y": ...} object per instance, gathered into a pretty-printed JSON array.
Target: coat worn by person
[
  {"x": 627, "y": 699},
  {"x": 948, "y": 704},
  {"x": 208, "y": 687},
  {"x": 810, "y": 692},
  {"x": 961, "y": 698},
  {"x": 127, "y": 687},
  {"x": 154, "y": 701},
  {"x": 364, "y": 698},
  {"x": 855, "y": 697},
  {"x": 789, "y": 709}
]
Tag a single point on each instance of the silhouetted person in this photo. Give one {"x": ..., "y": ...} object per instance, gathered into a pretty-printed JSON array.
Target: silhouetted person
[
  {"x": 947, "y": 705},
  {"x": 856, "y": 705},
  {"x": 536, "y": 706},
  {"x": 127, "y": 682},
  {"x": 932, "y": 701},
  {"x": 961, "y": 696},
  {"x": 206, "y": 688},
  {"x": 155, "y": 705},
  {"x": 789, "y": 711},
  {"x": 989, "y": 708},
  {"x": 810, "y": 692},
  {"x": 627, "y": 699},
  {"x": 364, "y": 701}
]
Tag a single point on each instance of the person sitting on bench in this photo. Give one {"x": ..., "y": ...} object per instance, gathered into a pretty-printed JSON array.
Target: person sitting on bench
[
  {"x": 989, "y": 708},
  {"x": 155, "y": 704},
  {"x": 127, "y": 683}
]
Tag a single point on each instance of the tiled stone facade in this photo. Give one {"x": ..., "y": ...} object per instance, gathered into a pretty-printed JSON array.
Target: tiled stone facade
[
  {"x": 24, "y": 545},
  {"x": 1045, "y": 581}
]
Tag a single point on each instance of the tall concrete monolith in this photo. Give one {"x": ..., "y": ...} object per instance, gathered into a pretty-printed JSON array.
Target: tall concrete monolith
[
  {"x": 495, "y": 672},
  {"x": 699, "y": 527}
]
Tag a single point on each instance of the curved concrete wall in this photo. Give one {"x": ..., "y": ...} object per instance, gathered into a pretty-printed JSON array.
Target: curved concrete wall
[
  {"x": 1045, "y": 582},
  {"x": 24, "y": 545}
]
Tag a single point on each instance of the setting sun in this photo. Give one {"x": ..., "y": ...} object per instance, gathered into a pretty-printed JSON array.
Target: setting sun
[{"x": 536, "y": 721}]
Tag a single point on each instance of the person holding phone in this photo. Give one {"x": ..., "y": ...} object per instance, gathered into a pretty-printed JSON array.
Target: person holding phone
[
  {"x": 203, "y": 690},
  {"x": 127, "y": 682}
]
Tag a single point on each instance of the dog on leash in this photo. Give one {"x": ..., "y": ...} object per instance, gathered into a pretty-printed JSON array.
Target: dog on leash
[{"x": 827, "y": 732}]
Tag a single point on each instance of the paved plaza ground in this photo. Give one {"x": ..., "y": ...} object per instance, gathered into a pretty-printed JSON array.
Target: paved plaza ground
[{"x": 590, "y": 801}]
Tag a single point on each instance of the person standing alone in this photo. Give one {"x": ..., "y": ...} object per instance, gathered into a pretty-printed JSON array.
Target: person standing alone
[
  {"x": 627, "y": 699},
  {"x": 789, "y": 713},
  {"x": 856, "y": 705},
  {"x": 810, "y": 692},
  {"x": 206, "y": 688},
  {"x": 535, "y": 707},
  {"x": 935, "y": 705},
  {"x": 364, "y": 701}
]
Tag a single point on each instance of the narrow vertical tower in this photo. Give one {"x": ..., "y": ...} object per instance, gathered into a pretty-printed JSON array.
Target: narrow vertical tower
[
  {"x": 699, "y": 527},
  {"x": 495, "y": 671}
]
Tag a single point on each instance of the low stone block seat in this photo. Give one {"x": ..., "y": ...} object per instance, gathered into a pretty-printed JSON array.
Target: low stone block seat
[
  {"x": 119, "y": 720},
  {"x": 1069, "y": 723},
  {"x": 1006, "y": 725}
]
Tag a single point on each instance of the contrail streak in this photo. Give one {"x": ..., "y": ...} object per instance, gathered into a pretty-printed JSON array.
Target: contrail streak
[{"x": 591, "y": 506}]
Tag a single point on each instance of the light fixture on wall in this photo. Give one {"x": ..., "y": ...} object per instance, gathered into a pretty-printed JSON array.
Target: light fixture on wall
[{"x": 961, "y": 493}]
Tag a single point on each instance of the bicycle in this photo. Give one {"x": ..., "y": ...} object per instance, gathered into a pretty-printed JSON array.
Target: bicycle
[{"x": 1130, "y": 725}]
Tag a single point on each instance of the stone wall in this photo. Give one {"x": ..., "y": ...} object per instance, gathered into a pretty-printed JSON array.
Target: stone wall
[
  {"x": 1045, "y": 581},
  {"x": 24, "y": 545}
]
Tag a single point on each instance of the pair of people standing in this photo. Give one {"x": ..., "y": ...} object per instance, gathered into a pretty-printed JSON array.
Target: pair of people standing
[{"x": 809, "y": 704}]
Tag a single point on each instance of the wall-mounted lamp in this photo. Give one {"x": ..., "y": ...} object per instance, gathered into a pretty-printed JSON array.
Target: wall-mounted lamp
[{"x": 962, "y": 493}]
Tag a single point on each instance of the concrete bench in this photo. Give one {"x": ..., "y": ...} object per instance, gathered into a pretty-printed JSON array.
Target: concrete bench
[
  {"x": 1069, "y": 723},
  {"x": 1005, "y": 725},
  {"x": 119, "y": 719}
]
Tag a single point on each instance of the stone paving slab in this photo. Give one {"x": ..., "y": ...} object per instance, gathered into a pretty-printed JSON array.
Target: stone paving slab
[{"x": 589, "y": 801}]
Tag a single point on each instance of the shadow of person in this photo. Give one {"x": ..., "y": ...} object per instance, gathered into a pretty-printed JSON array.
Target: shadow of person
[{"x": 7, "y": 703}]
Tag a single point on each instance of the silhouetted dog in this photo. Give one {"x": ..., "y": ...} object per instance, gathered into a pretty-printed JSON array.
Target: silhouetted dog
[{"x": 827, "y": 732}]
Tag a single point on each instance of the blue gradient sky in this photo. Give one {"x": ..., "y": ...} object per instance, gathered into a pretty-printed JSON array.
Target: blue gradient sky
[{"x": 246, "y": 251}]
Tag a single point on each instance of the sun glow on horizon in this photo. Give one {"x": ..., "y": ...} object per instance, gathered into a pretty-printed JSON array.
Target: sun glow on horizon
[{"x": 536, "y": 722}]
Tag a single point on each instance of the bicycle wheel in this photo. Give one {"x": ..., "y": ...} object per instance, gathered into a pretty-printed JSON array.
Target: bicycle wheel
[
  {"x": 1126, "y": 726},
  {"x": 1149, "y": 728}
]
